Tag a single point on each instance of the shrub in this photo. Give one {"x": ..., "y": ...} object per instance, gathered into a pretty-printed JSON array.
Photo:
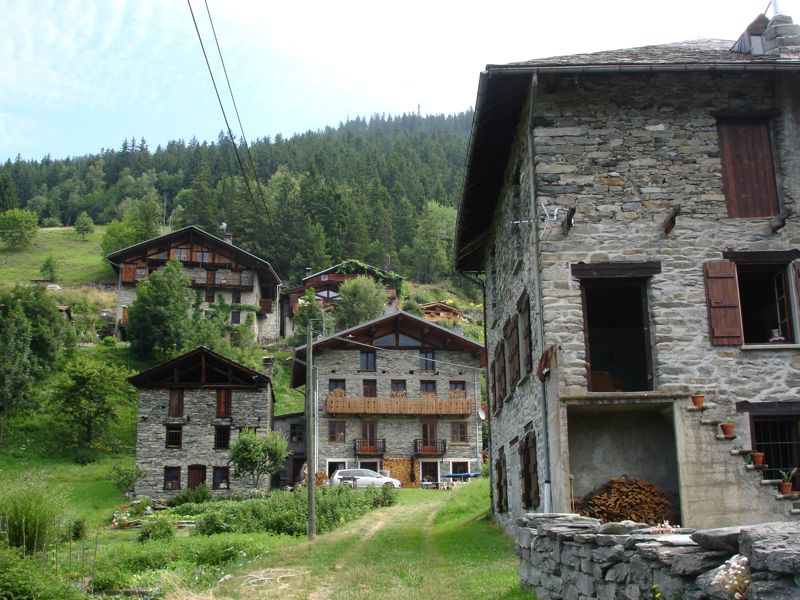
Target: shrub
[
  {"x": 139, "y": 507},
  {"x": 24, "y": 579},
  {"x": 109, "y": 579},
  {"x": 197, "y": 495},
  {"x": 211, "y": 523},
  {"x": 76, "y": 529},
  {"x": 161, "y": 528},
  {"x": 51, "y": 222},
  {"x": 109, "y": 341},
  {"x": 30, "y": 509}
]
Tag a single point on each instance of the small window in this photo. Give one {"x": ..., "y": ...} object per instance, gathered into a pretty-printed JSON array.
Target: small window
[
  {"x": 297, "y": 432},
  {"x": 427, "y": 360},
  {"x": 336, "y": 431},
  {"x": 236, "y": 317},
  {"x": 458, "y": 386},
  {"x": 370, "y": 388},
  {"x": 174, "y": 436},
  {"x": 427, "y": 387},
  {"x": 172, "y": 478},
  {"x": 210, "y": 295},
  {"x": 766, "y": 304},
  {"x": 222, "y": 437},
  {"x": 160, "y": 254},
  {"x": 202, "y": 256},
  {"x": 223, "y": 404},
  {"x": 399, "y": 387},
  {"x": 221, "y": 478},
  {"x": 336, "y": 384},
  {"x": 367, "y": 361},
  {"x": 458, "y": 467},
  {"x": 176, "y": 403},
  {"x": 182, "y": 253},
  {"x": 458, "y": 432},
  {"x": 236, "y": 296}
]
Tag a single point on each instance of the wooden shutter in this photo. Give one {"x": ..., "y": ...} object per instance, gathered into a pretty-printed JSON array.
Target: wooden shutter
[
  {"x": 748, "y": 174},
  {"x": 128, "y": 273},
  {"x": 493, "y": 386},
  {"x": 722, "y": 299},
  {"x": 530, "y": 471},
  {"x": 524, "y": 309},
  {"x": 511, "y": 334}
]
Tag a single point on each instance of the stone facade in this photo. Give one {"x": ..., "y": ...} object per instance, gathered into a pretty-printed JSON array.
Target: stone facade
[
  {"x": 567, "y": 556},
  {"x": 293, "y": 426},
  {"x": 623, "y": 150}
]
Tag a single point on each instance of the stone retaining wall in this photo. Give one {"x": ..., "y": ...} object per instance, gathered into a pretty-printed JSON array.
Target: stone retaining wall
[{"x": 578, "y": 558}]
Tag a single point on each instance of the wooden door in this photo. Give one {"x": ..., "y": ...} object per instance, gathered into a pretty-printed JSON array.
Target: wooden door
[
  {"x": 369, "y": 435},
  {"x": 211, "y": 277},
  {"x": 197, "y": 475}
]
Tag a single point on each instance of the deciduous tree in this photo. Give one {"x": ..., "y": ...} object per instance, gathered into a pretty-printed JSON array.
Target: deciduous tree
[
  {"x": 360, "y": 299},
  {"x": 84, "y": 224},
  {"x": 254, "y": 455},
  {"x": 18, "y": 228},
  {"x": 16, "y": 369}
]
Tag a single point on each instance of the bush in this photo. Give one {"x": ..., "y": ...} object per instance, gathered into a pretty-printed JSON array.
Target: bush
[
  {"x": 51, "y": 222},
  {"x": 124, "y": 477},
  {"x": 30, "y": 509},
  {"x": 211, "y": 523},
  {"x": 76, "y": 529},
  {"x": 139, "y": 507},
  {"x": 110, "y": 579},
  {"x": 198, "y": 495},
  {"x": 110, "y": 341},
  {"x": 24, "y": 579},
  {"x": 161, "y": 528}
]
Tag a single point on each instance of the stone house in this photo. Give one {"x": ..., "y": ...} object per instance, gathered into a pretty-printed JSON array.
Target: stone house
[
  {"x": 293, "y": 426},
  {"x": 217, "y": 269},
  {"x": 190, "y": 409},
  {"x": 397, "y": 394},
  {"x": 629, "y": 212}
]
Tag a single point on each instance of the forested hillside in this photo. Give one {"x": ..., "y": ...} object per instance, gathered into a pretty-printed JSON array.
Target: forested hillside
[{"x": 377, "y": 190}]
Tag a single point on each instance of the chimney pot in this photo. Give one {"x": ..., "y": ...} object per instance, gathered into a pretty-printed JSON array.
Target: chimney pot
[{"x": 267, "y": 362}]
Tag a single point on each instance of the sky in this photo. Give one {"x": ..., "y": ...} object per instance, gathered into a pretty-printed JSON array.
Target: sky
[{"x": 77, "y": 76}]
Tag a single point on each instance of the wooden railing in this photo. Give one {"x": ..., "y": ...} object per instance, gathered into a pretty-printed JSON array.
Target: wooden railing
[{"x": 429, "y": 404}]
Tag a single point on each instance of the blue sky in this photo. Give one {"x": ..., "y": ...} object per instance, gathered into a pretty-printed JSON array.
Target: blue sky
[{"x": 77, "y": 76}]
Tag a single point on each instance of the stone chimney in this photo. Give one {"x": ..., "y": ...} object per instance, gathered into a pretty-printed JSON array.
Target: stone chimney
[
  {"x": 782, "y": 37},
  {"x": 267, "y": 361},
  {"x": 229, "y": 238}
]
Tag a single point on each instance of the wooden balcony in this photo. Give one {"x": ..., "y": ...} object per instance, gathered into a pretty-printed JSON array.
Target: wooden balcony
[
  {"x": 363, "y": 447},
  {"x": 426, "y": 404}
]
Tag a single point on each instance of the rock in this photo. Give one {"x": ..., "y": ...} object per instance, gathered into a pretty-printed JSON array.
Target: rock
[
  {"x": 698, "y": 562},
  {"x": 622, "y": 527},
  {"x": 771, "y": 590},
  {"x": 724, "y": 538},
  {"x": 773, "y": 546}
]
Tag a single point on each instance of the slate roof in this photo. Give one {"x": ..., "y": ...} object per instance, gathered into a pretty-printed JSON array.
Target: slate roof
[{"x": 502, "y": 90}]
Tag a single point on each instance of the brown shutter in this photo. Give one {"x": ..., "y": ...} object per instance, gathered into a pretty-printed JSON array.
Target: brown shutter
[
  {"x": 128, "y": 273},
  {"x": 722, "y": 298}
]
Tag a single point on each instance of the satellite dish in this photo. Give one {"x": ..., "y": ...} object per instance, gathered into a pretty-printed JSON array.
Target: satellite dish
[{"x": 481, "y": 414}]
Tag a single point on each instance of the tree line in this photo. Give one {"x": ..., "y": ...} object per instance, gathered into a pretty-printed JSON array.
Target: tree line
[{"x": 382, "y": 190}]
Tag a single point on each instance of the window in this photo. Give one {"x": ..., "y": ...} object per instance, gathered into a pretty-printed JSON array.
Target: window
[
  {"x": 427, "y": 387},
  {"x": 222, "y": 437},
  {"x": 529, "y": 471},
  {"x": 370, "y": 388},
  {"x": 172, "y": 478},
  {"x": 202, "y": 256},
  {"x": 750, "y": 298},
  {"x": 458, "y": 432},
  {"x": 427, "y": 360},
  {"x": 458, "y": 386},
  {"x": 398, "y": 387},
  {"x": 336, "y": 384},
  {"x": 174, "y": 436},
  {"x": 236, "y": 317},
  {"x": 160, "y": 254},
  {"x": 367, "y": 361},
  {"x": 182, "y": 253},
  {"x": 223, "y": 404},
  {"x": 748, "y": 175},
  {"x": 524, "y": 309},
  {"x": 236, "y": 296},
  {"x": 458, "y": 467},
  {"x": 336, "y": 431},
  {"x": 501, "y": 498},
  {"x": 617, "y": 324},
  {"x": 221, "y": 478},
  {"x": 511, "y": 335},
  {"x": 499, "y": 374},
  {"x": 176, "y": 403},
  {"x": 297, "y": 432},
  {"x": 210, "y": 294}
]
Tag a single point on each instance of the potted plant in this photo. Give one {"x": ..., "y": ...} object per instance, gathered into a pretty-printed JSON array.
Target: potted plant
[
  {"x": 785, "y": 487},
  {"x": 727, "y": 429},
  {"x": 698, "y": 399},
  {"x": 758, "y": 458}
]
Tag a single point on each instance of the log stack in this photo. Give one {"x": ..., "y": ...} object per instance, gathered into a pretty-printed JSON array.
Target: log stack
[{"x": 633, "y": 499}]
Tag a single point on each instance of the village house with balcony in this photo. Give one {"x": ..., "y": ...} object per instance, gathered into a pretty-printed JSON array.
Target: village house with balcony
[
  {"x": 397, "y": 394},
  {"x": 634, "y": 215},
  {"x": 217, "y": 268},
  {"x": 191, "y": 409}
]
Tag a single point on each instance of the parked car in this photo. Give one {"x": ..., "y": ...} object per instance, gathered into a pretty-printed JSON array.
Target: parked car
[{"x": 361, "y": 478}]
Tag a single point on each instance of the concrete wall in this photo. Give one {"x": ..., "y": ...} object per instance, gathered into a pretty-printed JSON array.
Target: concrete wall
[
  {"x": 623, "y": 149},
  {"x": 248, "y": 409}
]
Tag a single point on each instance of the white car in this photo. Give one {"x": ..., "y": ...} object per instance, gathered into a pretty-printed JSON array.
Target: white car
[{"x": 362, "y": 478}]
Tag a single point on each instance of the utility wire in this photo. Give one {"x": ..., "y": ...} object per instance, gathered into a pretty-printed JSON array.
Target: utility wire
[
  {"x": 238, "y": 118},
  {"x": 398, "y": 353},
  {"x": 225, "y": 116}
]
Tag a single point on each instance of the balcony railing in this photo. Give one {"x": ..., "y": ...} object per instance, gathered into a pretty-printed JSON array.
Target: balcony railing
[
  {"x": 369, "y": 447},
  {"x": 426, "y": 404},
  {"x": 430, "y": 447}
]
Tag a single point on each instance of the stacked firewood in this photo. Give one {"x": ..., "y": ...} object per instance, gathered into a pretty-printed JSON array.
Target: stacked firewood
[{"x": 623, "y": 498}]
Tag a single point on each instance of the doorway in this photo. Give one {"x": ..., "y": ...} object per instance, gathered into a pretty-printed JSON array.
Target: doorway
[
  {"x": 429, "y": 471},
  {"x": 197, "y": 476},
  {"x": 369, "y": 433},
  {"x": 429, "y": 437}
]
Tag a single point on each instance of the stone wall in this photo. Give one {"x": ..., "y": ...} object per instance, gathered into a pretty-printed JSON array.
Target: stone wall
[
  {"x": 571, "y": 557},
  {"x": 623, "y": 149},
  {"x": 248, "y": 409}
]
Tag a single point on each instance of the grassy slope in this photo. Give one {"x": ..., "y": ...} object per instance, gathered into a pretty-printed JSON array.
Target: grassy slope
[{"x": 79, "y": 261}]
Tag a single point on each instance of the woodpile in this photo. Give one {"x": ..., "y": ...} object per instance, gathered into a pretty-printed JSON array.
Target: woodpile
[{"x": 623, "y": 498}]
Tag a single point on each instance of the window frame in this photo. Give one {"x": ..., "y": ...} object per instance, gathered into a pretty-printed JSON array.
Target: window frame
[
  {"x": 427, "y": 361},
  {"x": 177, "y": 479},
  {"x": 337, "y": 431},
  {"x": 297, "y": 433},
  {"x": 175, "y": 408},
  {"x": 170, "y": 431},
  {"x": 333, "y": 384},
  {"x": 367, "y": 361},
  {"x": 224, "y": 408},
  {"x": 236, "y": 317},
  {"x": 369, "y": 388},
  {"x": 427, "y": 383},
  {"x": 459, "y": 432},
  {"x": 215, "y": 484},
  {"x": 222, "y": 437}
]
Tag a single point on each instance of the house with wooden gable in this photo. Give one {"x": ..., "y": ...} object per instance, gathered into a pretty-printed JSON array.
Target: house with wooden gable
[
  {"x": 440, "y": 311},
  {"x": 633, "y": 213},
  {"x": 190, "y": 410},
  {"x": 217, "y": 269},
  {"x": 397, "y": 394}
]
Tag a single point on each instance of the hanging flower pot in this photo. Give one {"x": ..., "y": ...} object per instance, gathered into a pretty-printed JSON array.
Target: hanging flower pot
[
  {"x": 727, "y": 429},
  {"x": 698, "y": 399},
  {"x": 758, "y": 458}
]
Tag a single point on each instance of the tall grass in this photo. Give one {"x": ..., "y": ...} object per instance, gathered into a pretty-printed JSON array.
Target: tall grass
[{"x": 29, "y": 513}]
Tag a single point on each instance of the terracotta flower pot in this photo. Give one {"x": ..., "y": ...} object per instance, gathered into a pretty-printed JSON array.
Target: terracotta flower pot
[
  {"x": 785, "y": 488},
  {"x": 698, "y": 400},
  {"x": 727, "y": 429},
  {"x": 758, "y": 458}
]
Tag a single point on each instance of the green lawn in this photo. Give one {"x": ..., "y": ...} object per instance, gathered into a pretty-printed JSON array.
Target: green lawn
[{"x": 79, "y": 261}]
